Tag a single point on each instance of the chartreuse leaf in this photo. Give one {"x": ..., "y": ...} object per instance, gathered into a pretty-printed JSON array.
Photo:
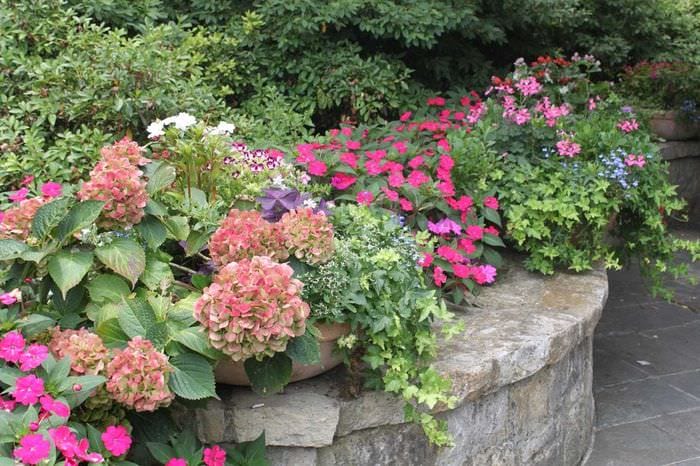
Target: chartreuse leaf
[
  {"x": 270, "y": 375},
  {"x": 124, "y": 256},
  {"x": 192, "y": 377},
  {"x": 108, "y": 287},
  {"x": 82, "y": 215},
  {"x": 11, "y": 249},
  {"x": 67, "y": 268},
  {"x": 304, "y": 349}
]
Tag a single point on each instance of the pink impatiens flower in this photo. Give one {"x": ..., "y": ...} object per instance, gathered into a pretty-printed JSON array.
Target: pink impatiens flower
[
  {"x": 405, "y": 116},
  {"x": 32, "y": 449},
  {"x": 364, "y": 197},
  {"x": 176, "y": 462},
  {"x": 32, "y": 357},
  {"x": 439, "y": 277},
  {"x": 416, "y": 178},
  {"x": 214, "y": 456},
  {"x": 491, "y": 202},
  {"x": 28, "y": 389},
  {"x": 405, "y": 205},
  {"x": 317, "y": 168},
  {"x": 426, "y": 260},
  {"x": 436, "y": 101},
  {"x": 19, "y": 195},
  {"x": 390, "y": 194},
  {"x": 635, "y": 160},
  {"x": 12, "y": 346},
  {"x": 51, "y": 189},
  {"x": 52, "y": 406},
  {"x": 117, "y": 440},
  {"x": 444, "y": 227},
  {"x": 627, "y": 126},
  {"x": 349, "y": 158},
  {"x": 474, "y": 232},
  {"x": 27, "y": 180},
  {"x": 342, "y": 180}
]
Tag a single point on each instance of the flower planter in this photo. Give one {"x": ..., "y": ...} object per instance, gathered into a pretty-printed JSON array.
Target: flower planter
[
  {"x": 233, "y": 372},
  {"x": 669, "y": 126}
]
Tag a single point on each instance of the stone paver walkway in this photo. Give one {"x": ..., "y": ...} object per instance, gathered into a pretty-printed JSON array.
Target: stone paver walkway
[{"x": 647, "y": 375}]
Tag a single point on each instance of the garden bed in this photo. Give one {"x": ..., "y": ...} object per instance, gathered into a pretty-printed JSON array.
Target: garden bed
[{"x": 521, "y": 372}]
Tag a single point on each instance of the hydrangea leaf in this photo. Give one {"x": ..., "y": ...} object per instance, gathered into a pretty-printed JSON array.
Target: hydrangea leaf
[
  {"x": 68, "y": 268},
  {"x": 152, "y": 231},
  {"x": 49, "y": 216},
  {"x": 192, "y": 377},
  {"x": 124, "y": 256},
  {"x": 82, "y": 215},
  {"x": 304, "y": 349},
  {"x": 108, "y": 287},
  {"x": 270, "y": 375},
  {"x": 11, "y": 249}
]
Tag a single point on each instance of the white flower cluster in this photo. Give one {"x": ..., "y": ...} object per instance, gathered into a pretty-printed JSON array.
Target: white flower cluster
[{"x": 182, "y": 121}]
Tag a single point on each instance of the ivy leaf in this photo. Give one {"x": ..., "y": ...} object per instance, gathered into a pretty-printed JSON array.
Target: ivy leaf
[
  {"x": 304, "y": 349},
  {"x": 193, "y": 377},
  {"x": 11, "y": 249},
  {"x": 152, "y": 231},
  {"x": 48, "y": 216},
  {"x": 124, "y": 256},
  {"x": 108, "y": 287},
  {"x": 68, "y": 268},
  {"x": 270, "y": 375},
  {"x": 82, "y": 215}
]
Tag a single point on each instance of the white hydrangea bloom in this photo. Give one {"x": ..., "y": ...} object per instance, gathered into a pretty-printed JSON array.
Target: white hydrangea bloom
[
  {"x": 182, "y": 121},
  {"x": 156, "y": 129}
]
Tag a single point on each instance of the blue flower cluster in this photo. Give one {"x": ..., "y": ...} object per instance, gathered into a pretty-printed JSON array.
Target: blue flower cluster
[{"x": 615, "y": 170}]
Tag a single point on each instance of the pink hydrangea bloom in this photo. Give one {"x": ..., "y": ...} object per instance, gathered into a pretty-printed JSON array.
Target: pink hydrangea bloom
[
  {"x": 116, "y": 439},
  {"x": 88, "y": 354},
  {"x": 138, "y": 376},
  {"x": 118, "y": 183},
  {"x": 307, "y": 235},
  {"x": 244, "y": 234},
  {"x": 364, "y": 197},
  {"x": 252, "y": 308},
  {"x": 28, "y": 389},
  {"x": 17, "y": 221},
  {"x": 628, "y": 126},
  {"x": 214, "y": 456},
  {"x": 528, "y": 86},
  {"x": 342, "y": 180},
  {"x": 12, "y": 346},
  {"x": 32, "y": 449},
  {"x": 127, "y": 149},
  {"x": 51, "y": 189},
  {"x": 633, "y": 160},
  {"x": 568, "y": 148},
  {"x": 32, "y": 357},
  {"x": 19, "y": 195},
  {"x": 176, "y": 462}
]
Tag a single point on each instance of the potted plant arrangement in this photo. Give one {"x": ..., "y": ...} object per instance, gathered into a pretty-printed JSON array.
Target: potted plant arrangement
[{"x": 669, "y": 91}]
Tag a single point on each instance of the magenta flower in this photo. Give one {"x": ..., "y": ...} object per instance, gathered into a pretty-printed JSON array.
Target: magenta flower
[
  {"x": 416, "y": 178},
  {"x": 475, "y": 232},
  {"x": 449, "y": 254},
  {"x": 176, "y": 462},
  {"x": 51, "y": 189},
  {"x": 12, "y": 346},
  {"x": 364, "y": 197},
  {"x": 484, "y": 274},
  {"x": 395, "y": 179},
  {"x": 635, "y": 160},
  {"x": 32, "y": 449},
  {"x": 27, "y": 180},
  {"x": 400, "y": 147},
  {"x": 353, "y": 145},
  {"x": 28, "y": 389},
  {"x": 405, "y": 204},
  {"x": 416, "y": 162},
  {"x": 52, "y": 406},
  {"x": 491, "y": 202},
  {"x": 390, "y": 194},
  {"x": 405, "y": 116},
  {"x": 426, "y": 260},
  {"x": 444, "y": 227},
  {"x": 627, "y": 126},
  {"x": 467, "y": 245},
  {"x": 528, "y": 86},
  {"x": 439, "y": 277},
  {"x": 342, "y": 180},
  {"x": 19, "y": 195},
  {"x": 32, "y": 357},
  {"x": 436, "y": 101},
  {"x": 117, "y": 440},
  {"x": 7, "y": 405},
  {"x": 349, "y": 158},
  {"x": 214, "y": 456},
  {"x": 317, "y": 168}
]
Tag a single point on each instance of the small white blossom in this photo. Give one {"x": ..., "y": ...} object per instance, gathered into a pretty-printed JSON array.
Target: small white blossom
[
  {"x": 156, "y": 129},
  {"x": 310, "y": 203},
  {"x": 304, "y": 178},
  {"x": 221, "y": 129},
  {"x": 278, "y": 181},
  {"x": 182, "y": 121}
]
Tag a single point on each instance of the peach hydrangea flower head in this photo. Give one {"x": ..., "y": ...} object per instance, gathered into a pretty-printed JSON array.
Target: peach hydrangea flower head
[
  {"x": 127, "y": 149},
  {"x": 138, "y": 376},
  {"x": 16, "y": 222},
  {"x": 118, "y": 183},
  {"x": 252, "y": 308},
  {"x": 244, "y": 234},
  {"x": 88, "y": 354},
  {"x": 308, "y": 235}
]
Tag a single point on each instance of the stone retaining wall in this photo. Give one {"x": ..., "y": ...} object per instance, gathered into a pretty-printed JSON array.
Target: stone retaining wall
[
  {"x": 684, "y": 170},
  {"x": 522, "y": 373}
]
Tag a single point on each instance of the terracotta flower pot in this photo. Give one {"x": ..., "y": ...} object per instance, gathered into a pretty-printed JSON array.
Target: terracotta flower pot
[
  {"x": 233, "y": 373},
  {"x": 669, "y": 126}
]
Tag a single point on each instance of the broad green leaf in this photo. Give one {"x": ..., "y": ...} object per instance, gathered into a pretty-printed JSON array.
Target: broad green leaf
[
  {"x": 492, "y": 216},
  {"x": 80, "y": 216},
  {"x": 200, "y": 281},
  {"x": 178, "y": 227},
  {"x": 157, "y": 274},
  {"x": 195, "y": 339},
  {"x": 193, "y": 377},
  {"x": 197, "y": 200},
  {"x": 493, "y": 240},
  {"x": 124, "y": 256},
  {"x": 196, "y": 241},
  {"x": 161, "y": 451},
  {"x": 304, "y": 349},
  {"x": 162, "y": 177},
  {"x": 154, "y": 207},
  {"x": 88, "y": 384},
  {"x": 35, "y": 323},
  {"x": 33, "y": 255},
  {"x": 8, "y": 375},
  {"x": 270, "y": 375},
  {"x": 137, "y": 318},
  {"x": 152, "y": 231},
  {"x": 108, "y": 287},
  {"x": 111, "y": 333},
  {"x": 68, "y": 268},
  {"x": 492, "y": 257},
  {"x": 48, "y": 217},
  {"x": 11, "y": 249}
]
